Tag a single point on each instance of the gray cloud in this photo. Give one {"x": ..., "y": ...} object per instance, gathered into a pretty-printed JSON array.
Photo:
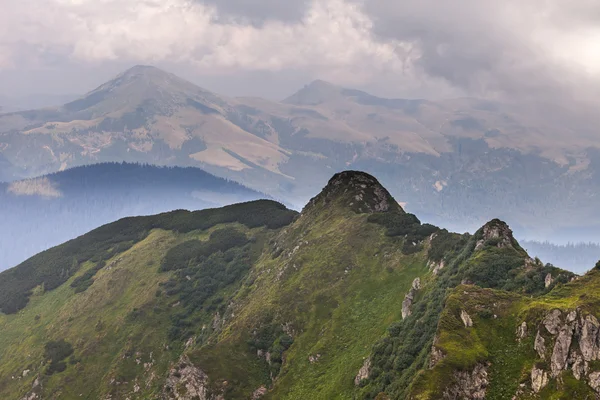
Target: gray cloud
[
  {"x": 259, "y": 11},
  {"x": 490, "y": 47},
  {"x": 539, "y": 49}
]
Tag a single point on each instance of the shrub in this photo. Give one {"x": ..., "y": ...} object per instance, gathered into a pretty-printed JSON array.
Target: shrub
[{"x": 56, "y": 352}]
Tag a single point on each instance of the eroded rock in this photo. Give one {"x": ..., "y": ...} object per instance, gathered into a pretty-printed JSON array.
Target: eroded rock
[
  {"x": 364, "y": 372},
  {"x": 594, "y": 381},
  {"x": 539, "y": 345},
  {"x": 560, "y": 354},
  {"x": 258, "y": 393},
  {"x": 186, "y": 382},
  {"x": 588, "y": 340},
  {"x": 521, "y": 331},
  {"x": 548, "y": 280},
  {"x": 539, "y": 379},
  {"x": 469, "y": 385},
  {"x": 410, "y": 296},
  {"x": 466, "y": 319},
  {"x": 552, "y": 321}
]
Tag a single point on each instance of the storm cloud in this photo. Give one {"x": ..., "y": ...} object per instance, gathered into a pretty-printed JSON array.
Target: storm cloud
[{"x": 539, "y": 49}]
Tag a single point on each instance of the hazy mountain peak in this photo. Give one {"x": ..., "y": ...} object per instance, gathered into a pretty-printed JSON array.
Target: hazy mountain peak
[
  {"x": 316, "y": 92},
  {"x": 142, "y": 85},
  {"x": 357, "y": 190}
]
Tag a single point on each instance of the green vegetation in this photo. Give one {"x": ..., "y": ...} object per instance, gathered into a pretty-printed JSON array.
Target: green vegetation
[
  {"x": 81, "y": 283},
  {"x": 254, "y": 297},
  {"x": 53, "y": 267},
  {"x": 56, "y": 352},
  {"x": 406, "y": 225}
]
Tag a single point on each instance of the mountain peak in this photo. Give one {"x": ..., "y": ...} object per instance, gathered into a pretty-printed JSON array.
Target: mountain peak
[
  {"x": 314, "y": 93},
  {"x": 138, "y": 87},
  {"x": 496, "y": 232},
  {"x": 357, "y": 190}
]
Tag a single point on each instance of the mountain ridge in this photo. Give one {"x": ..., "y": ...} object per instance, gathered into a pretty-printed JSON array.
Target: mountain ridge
[
  {"x": 257, "y": 301},
  {"x": 425, "y": 152}
]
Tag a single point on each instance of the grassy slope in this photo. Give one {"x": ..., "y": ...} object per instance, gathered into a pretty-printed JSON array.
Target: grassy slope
[
  {"x": 494, "y": 339},
  {"x": 118, "y": 327},
  {"x": 95, "y": 322},
  {"x": 339, "y": 290}
]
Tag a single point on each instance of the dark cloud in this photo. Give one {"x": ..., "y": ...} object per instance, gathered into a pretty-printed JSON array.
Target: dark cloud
[
  {"x": 488, "y": 47},
  {"x": 257, "y": 12}
]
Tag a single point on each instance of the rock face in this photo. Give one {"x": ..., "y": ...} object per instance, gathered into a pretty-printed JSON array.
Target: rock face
[
  {"x": 436, "y": 267},
  {"x": 589, "y": 338},
  {"x": 258, "y": 393},
  {"x": 539, "y": 379},
  {"x": 522, "y": 331},
  {"x": 552, "y": 321},
  {"x": 186, "y": 382},
  {"x": 539, "y": 345},
  {"x": 575, "y": 342},
  {"x": 466, "y": 319},
  {"x": 410, "y": 296},
  {"x": 548, "y": 281},
  {"x": 499, "y": 232},
  {"x": 560, "y": 354},
  {"x": 469, "y": 385},
  {"x": 364, "y": 372}
]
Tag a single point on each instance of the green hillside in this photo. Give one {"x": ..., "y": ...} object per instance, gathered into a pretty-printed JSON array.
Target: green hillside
[{"x": 351, "y": 299}]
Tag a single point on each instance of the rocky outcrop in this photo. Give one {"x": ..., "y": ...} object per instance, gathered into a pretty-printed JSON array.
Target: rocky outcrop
[
  {"x": 466, "y": 319},
  {"x": 552, "y": 321},
  {"x": 469, "y": 385},
  {"x": 539, "y": 379},
  {"x": 410, "y": 296},
  {"x": 575, "y": 342},
  {"x": 35, "y": 392},
  {"x": 548, "y": 280},
  {"x": 187, "y": 382},
  {"x": 496, "y": 231},
  {"x": 358, "y": 190},
  {"x": 436, "y": 267},
  {"x": 560, "y": 354},
  {"x": 594, "y": 381},
  {"x": 589, "y": 338},
  {"x": 364, "y": 372},
  {"x": 539, "y": 345},
  {"x": 258, "y": 393},
  {"x": 521, "y": 331}
]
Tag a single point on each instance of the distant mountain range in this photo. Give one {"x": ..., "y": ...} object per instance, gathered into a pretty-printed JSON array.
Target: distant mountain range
[
  {"x": 458, "y": 162},
  {"x": 42, "y": 212}
]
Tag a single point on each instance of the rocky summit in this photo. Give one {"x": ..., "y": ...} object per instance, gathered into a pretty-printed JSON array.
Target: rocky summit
[{"x": 352, "y": 299}]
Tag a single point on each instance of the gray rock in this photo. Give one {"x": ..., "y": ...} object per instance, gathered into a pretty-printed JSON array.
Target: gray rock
[
  {"x": 364, "y": 372},
  {"x": 539, "y": 379},
  {"x": 594, "y": 381},
  {"x": 521, "y": 331},
  {"x": 577, "y": 365},
  {"x": 560, "y": 354},
  {"x": 410, "y": 296},
  {"x": 548, "y": 281},
  {"x": 552, "y": 321},
  {"x": 186, "y": 382},
  {"x": 258, "y": 393},
  {"x": 468, "y": 385},
  {"x": 540, "y": 345},
  {"x": 588, "y": 340},
  {"x": 466, "y": 319},
  {"x": 416, "y": 284}
]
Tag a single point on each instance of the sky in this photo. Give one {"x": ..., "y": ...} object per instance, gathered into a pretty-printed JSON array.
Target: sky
[{"x": 536, "y": 49}]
